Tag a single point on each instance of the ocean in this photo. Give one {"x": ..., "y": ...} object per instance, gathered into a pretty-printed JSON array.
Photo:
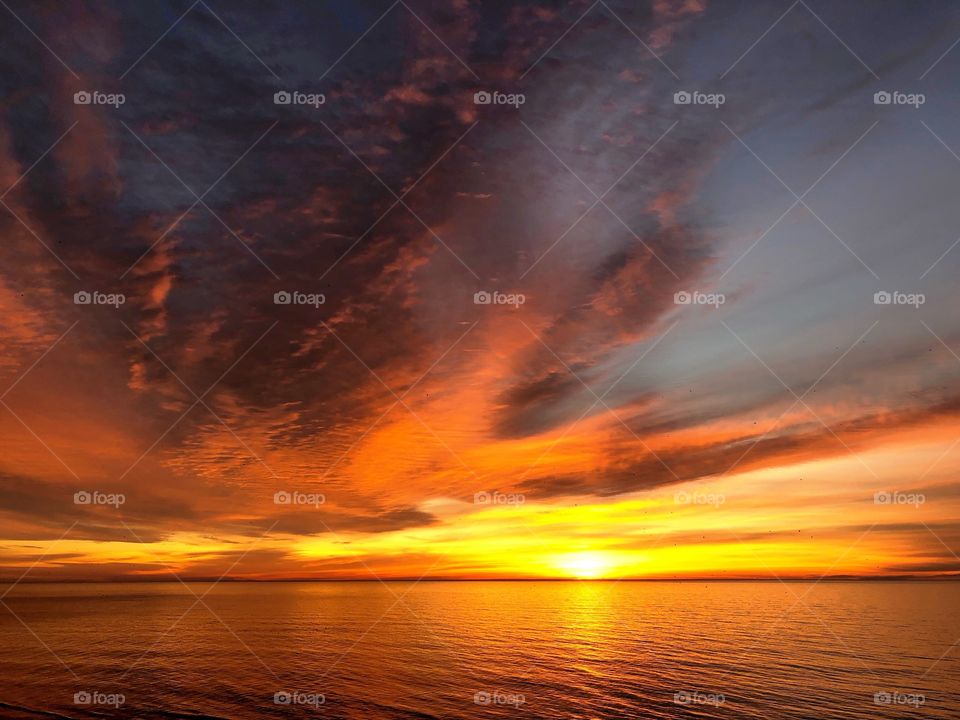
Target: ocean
[{"x": 578, "y": 649}]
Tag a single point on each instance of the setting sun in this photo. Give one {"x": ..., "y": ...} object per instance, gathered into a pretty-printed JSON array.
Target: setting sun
[{"x": 585, "y": 565}]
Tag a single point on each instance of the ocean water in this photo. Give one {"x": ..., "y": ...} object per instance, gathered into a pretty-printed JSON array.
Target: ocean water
[{"x": 481, "y": 649}]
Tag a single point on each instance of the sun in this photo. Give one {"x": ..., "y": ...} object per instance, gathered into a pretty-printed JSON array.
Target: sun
[{"x": 585, "y": 565}]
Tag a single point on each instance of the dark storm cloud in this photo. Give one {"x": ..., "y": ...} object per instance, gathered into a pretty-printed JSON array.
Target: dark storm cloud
[{"x": 300, "y": 200}]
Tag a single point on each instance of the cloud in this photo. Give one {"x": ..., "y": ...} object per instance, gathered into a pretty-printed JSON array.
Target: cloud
[{"x": 397, "y": 200}]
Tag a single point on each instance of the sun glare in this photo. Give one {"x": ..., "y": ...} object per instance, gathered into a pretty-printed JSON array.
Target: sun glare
[{"x": 585, "y": 565}]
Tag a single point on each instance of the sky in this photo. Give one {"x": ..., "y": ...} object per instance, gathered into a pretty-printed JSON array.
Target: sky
[{"x": 390, "y": 330}]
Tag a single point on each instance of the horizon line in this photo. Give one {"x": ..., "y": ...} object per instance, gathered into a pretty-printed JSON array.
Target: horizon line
[{"x": 216, "y": 580}]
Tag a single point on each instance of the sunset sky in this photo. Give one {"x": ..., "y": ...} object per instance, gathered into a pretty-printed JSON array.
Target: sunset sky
[{"x": 792, "y": 428}]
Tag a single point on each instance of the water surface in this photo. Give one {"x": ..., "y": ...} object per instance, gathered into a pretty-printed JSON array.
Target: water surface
[{"x": 481, "y": 649}]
